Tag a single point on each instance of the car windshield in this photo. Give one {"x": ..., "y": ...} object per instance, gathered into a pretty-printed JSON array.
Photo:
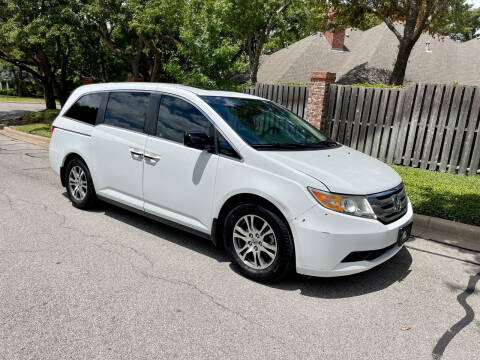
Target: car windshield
[{"x": 264, "y": 125}]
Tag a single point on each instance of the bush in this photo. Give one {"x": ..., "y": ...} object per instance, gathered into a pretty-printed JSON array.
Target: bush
[
  {"x": 381, "y": 85},
  {"x": 10, "y": 92},
  {"x": 447, "y": 196}
]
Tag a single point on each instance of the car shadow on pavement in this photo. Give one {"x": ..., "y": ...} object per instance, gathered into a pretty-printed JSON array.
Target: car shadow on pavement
[
  {"x": 164, "y": 232},
  {"x": 380, "y": 277},
  {"x": 376, "y": 279}
]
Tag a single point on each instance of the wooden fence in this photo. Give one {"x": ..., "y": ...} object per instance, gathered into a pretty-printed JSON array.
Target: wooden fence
[
  {"x": 435, "y": 127},
  {"x": 292, "y": 97}
]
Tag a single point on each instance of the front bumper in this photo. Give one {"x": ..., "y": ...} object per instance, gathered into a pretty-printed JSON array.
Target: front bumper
[{"x": 324, "y": 238}]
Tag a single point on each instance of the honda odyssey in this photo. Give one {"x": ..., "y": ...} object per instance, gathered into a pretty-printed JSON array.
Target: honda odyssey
[{"x": 251, "y": 176}]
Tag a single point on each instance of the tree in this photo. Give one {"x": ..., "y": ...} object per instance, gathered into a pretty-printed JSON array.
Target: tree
[
  {"x": 143, "y": 33},
  {"x": 37, "y": 37},
  {"x": 207, "y": 53},
  {"x": 463, "y": 24},
  {"x": 417, "y": 16},
  {"x": 252, "y": 22},
  {"x": 291, "y": 27},
  {"x": 110, "y": 20}
]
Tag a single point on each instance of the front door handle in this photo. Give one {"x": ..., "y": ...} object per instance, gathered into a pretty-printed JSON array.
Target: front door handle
[
  {"x": 136, "y": 154},
  {"x": 151, "y": 159}
]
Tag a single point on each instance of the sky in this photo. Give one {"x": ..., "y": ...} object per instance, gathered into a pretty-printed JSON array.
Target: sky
[{"x": 475, "y": 3}]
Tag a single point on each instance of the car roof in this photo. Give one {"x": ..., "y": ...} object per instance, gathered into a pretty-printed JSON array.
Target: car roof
[{"x": 166, "y": 87}]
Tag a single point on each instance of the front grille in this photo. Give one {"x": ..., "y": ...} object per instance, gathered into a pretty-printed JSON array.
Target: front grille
[{"x": 389, "y": 205}]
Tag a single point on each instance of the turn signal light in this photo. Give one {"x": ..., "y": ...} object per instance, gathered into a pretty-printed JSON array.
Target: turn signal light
[{"x": 330, "y": 201}]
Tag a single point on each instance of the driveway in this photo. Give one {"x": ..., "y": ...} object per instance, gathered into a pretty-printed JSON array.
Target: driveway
[
  {"x": 13, "y": 110},
  {"x": 109, "y": 284}
]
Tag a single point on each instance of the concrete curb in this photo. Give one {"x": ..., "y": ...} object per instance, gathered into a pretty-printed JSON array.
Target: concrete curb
[
  {"x": 30, "y": 138},
  {"x": 447, "y": 232},
  {"x": 427, "y": 227}
]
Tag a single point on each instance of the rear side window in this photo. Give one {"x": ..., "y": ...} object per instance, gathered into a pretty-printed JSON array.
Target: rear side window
[
  {"x": 86, "y": 108},
  {"x": 127, "y": 110},
  {"x": 177, "y": 116}
]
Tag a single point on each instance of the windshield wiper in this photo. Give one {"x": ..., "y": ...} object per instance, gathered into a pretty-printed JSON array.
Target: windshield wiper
[
  {"x": 320, "y": 144},
  {"x": 277, "y": 146}
]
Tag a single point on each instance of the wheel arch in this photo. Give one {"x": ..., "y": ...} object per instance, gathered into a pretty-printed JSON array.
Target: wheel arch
[
  {"x": 69, "y": 157},
  {"x": 235, "y": 200}
]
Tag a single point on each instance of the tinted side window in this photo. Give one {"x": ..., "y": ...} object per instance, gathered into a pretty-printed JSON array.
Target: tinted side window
[
  {"x": 127, "y": 110},
  {"x": 86, "y": 108},
  {"x": 177, "y": 116},
  {"x": 225, "y": 148}
]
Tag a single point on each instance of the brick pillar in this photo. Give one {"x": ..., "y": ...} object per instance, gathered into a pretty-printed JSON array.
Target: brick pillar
[
  {"x": 135, "y": 79},
  {"x": 317, "y": 103},
  {"x": 87, "y": 80}
]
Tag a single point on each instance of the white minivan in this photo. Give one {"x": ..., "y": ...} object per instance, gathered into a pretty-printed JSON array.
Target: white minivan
[{"x": 234, "y": 168}]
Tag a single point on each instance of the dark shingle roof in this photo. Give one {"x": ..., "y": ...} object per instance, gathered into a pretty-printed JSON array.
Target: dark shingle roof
[{"x": 370, "y": 57}]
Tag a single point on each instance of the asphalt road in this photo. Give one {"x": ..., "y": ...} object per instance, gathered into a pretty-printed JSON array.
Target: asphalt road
[
  {"x": 13, "y": 110},
  {"x": 108, "y": 284}
]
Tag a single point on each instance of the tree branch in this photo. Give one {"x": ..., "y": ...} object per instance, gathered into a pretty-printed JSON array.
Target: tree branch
[
  {"x": 385, "y": 19},
  {"x": 20, "y": 64},
  {"x": 427, "y": 19}
]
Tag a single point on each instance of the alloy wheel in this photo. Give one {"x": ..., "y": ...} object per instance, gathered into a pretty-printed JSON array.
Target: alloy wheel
[
  {"x": 77, "y": 182},
  {"x": 255, "y": 242}
]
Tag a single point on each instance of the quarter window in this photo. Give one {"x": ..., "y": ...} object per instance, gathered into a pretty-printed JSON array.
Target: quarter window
[
  {"x": 86, "y": 108},
  {"x": 177, "y": 116},
  {"x": 225, "y": 148},
  {"x": 127, "y": 110}
]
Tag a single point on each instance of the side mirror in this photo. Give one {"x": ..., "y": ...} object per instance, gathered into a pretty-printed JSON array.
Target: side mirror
[{"x": 199, "y": 140}]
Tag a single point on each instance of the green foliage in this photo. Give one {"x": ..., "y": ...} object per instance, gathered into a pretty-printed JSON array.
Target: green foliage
[
  {"x": 462, "y": 24},
  {"x": 41, "y": 122},
  {"x": 295, "y": 83},
  {"x": 448, "y": 196},
  {"x": 292, "y": 26},
  {"x": 253, "y": 22},
  {"x": 207, "y": 55},
  {"x": 381, "y": 85}
]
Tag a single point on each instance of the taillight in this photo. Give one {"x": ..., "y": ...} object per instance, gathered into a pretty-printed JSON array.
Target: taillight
[{"x": 51, "y": 130}]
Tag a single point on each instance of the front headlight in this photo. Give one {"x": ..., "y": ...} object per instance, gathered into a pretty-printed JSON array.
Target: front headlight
[{"x": 347, "y": 204}]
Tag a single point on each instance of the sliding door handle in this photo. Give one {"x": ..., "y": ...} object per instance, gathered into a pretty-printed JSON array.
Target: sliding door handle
[
  {"x": 136, "y": 154},
  {"x": 151, "y": 159}
]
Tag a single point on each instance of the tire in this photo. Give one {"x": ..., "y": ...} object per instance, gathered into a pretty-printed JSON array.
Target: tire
[
  {"x": 84, "y": 197},
  {"x": 255, "y": 259}
]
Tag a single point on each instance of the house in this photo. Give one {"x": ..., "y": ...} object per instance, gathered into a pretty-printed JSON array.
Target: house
[{"x": 368, "y": 57}]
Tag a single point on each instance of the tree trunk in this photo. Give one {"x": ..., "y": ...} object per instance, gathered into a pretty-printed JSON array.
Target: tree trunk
[
  {"x": 254, "y": 47},
  {"x": 398, "y": 74},
  {"x": 254, "y": 65},
  {"x": 49, "y": 94}
]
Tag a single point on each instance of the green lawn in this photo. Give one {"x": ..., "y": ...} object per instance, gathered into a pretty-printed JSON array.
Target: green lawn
[
  {"x": 21, "y": 99},
  {"x": 447, "y": 196},
  {"x": 41, "y": 122}
]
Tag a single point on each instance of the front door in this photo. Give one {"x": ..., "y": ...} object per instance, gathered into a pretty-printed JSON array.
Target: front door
[
  {"x": 117, "y": 148},
  {"x": 179, "y": 181}
]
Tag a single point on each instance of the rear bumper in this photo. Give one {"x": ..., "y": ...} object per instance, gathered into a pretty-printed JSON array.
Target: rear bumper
[{"x": 323, "y": 239}]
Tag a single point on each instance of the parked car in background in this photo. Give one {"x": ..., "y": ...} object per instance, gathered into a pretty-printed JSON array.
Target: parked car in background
[{"x": 240, "y": 170}]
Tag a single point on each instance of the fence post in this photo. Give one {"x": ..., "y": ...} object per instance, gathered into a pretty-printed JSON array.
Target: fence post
[{"x": 317, "y": 103}]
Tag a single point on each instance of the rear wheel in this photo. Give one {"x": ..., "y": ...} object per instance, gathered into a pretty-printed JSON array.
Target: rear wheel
[
  {"x": 259, "y": 242},
  {"x": 79, "y": 184}
]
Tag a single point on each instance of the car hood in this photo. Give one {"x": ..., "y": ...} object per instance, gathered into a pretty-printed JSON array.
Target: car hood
[{"x": 342, "y": 170}]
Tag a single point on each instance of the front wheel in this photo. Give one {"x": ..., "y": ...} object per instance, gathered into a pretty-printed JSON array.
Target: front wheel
[{"x": 259, "y": 242}]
